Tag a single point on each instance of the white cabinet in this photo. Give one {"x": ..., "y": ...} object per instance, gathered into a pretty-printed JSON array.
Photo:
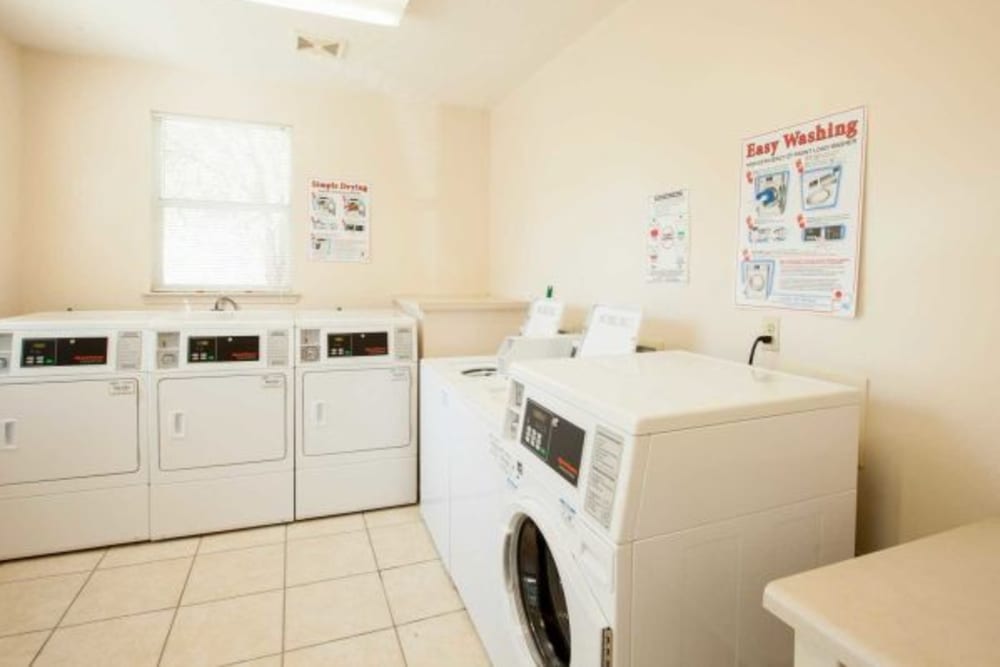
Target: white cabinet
[
  {"x": 65, "y": 430},
  {"x": 221, "y": 420}
]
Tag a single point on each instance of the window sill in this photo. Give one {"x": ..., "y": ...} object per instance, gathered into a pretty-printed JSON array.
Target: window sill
[{"x": 207, "y": 299}]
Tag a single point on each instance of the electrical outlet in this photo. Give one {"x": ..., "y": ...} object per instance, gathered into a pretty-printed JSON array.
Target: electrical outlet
[{"x": 771, "y": 326}]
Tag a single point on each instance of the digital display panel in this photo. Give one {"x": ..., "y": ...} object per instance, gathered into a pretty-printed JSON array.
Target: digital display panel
[
  {"x": 209, "y": 349},
  {"x": 554, "y": 440},
  {"x": 361, "y": 344},
  {"x": 42, "y": 352}
]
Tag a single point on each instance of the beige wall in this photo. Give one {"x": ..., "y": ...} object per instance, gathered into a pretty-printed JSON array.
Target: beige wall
[
  {"x": 10, "y": 156},
  {"x": 659, "y": 96},
  {"x": 88, "y": 238}
]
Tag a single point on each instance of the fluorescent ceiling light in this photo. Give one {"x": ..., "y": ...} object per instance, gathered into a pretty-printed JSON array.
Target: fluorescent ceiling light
[{"x": 379, "y": 12}]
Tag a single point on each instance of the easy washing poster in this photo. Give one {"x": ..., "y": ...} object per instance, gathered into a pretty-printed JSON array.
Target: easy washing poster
[{"x": 800, "y": 216}]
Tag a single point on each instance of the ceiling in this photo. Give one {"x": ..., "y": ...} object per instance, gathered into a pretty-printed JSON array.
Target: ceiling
[{"x": 466, "y": 52}]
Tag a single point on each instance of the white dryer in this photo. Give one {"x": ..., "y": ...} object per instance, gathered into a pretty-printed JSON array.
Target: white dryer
[
  {"x": 356, "y": 416},
  {"x": 651, "y": 497},
  {"x": 74, "y": 466},
  {"x": 222, "y": 431}
]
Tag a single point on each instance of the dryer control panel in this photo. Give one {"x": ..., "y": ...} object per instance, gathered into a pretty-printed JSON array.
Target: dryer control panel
[
  {"x": 175, "y": 350},
  {"x": 41, "y": 352},
  {"x": 88, "y": 351},
  {"x": 216, "y": 349},
  {"x": 374, "y": 344},
  {"x": 362, "y": 344}
]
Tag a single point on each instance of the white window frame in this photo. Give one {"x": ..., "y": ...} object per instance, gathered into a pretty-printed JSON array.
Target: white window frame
[{"x": 158, "y": 204}]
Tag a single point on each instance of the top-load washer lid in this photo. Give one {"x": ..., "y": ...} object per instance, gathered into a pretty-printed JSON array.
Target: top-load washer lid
[{"x": 665, "y": 391}]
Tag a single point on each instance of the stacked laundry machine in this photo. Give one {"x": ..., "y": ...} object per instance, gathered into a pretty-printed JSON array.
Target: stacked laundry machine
[{"x": 127, "y": 426}]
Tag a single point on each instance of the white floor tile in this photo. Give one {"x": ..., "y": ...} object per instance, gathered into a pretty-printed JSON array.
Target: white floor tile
[
  {"x": 129, "y": 590},
  {"x": 20, "y": 650},
  {"x": 132, "y": 641},
  {"x": 241, "y": 539},
  {"x": 326, "y": 526},
  {"x": 330, "y": 610},
  {"x": 47, "y": 566},
  {"x": 146, "y": 552},
  {"x": 402, "y": 544},
  {"x": 226, "y": 631},
  {"x": 419, "y": 591},
  {"x": 442, "y": 641},
  {"x": 393, "y": 516},
  {"x": 230, "y": 573},
  {"x": 36, "y": 604},
  {"x": 376, "y": 649},
  {"x": 329, "y": 557}
]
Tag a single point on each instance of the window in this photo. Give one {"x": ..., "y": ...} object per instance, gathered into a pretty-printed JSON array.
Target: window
[{"x": 221, "y": 201}]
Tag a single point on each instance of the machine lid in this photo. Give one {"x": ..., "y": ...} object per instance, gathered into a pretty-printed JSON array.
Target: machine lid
[
  {"x": 665, "y": 391},
  {"x": 320, "y": 319},
  {"x": 78, "y": 320},
  {"x": 540, "y": 597}
]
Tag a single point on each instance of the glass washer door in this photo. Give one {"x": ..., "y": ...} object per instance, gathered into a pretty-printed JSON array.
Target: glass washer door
[{"x": 540, "y": 596}]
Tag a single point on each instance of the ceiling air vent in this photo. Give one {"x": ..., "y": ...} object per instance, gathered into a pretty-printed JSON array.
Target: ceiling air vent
[{"x": 319, "y": 47}]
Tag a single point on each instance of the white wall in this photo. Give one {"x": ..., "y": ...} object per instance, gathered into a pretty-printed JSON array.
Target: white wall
[
  {"x": 659, "y": 96},
  {"x": 87, "y": 238},
  {"x": 10, "y": 156}
]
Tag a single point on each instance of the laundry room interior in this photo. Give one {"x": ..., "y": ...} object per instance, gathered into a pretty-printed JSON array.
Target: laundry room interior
[{"x": 565, "y": 333}]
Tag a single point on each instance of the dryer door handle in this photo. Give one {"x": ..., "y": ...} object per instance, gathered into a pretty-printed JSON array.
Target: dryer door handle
[
  {"x": 319, "y": 413},
  {"x": 178, "y": 425},
  {"x": 9, "y": 434}
]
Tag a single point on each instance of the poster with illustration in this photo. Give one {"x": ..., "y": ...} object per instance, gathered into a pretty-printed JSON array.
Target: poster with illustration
[
  {"x": 339, "y": 221},
  {"x": 800, "y": 216},
  {"x": 668, "y": 238}
]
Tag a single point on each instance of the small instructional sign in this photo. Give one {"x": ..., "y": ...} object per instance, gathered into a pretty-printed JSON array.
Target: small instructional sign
[
  {"x": 668, "y": 238},
  {"x": 339, "y": 221},
  {"x": 800, "y": 216}
]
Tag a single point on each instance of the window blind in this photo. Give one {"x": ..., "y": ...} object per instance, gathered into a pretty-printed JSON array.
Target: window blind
[{"x": 222, "y": 205}]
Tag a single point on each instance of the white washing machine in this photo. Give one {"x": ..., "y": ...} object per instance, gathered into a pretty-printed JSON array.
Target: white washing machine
[
  {"x": 445, "y": 385},
  {"x": 222, "y": 402},
  {"x": 651, "y": 497},
  {"x": 356, "y": 416},
  {"x": 74, "y": 465},
  {"x": 461, "y": 487}
]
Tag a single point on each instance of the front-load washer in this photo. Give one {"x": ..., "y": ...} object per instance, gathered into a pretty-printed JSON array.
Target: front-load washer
[
  {"x": 222, "y": 432},
  {"x": 651, "y": 497},
  {"x": 74, "y": 466},
  {"x": 356, "y": 414}
]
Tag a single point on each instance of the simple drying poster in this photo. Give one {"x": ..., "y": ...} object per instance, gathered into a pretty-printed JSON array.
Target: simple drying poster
[
  {"x": 339, "y": 221},
  {"x": 668, "y": 238},
  {"x": 800, "y": 216}
]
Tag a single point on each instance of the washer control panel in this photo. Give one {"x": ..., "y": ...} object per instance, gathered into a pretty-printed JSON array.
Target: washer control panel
[{"x": 554, "y": 440}]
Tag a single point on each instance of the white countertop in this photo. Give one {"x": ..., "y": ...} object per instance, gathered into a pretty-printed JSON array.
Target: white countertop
[{"x": 933, "y": 601}]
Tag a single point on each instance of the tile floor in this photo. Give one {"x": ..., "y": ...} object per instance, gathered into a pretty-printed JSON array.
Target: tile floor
[{"x": 359, "y": 590}]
